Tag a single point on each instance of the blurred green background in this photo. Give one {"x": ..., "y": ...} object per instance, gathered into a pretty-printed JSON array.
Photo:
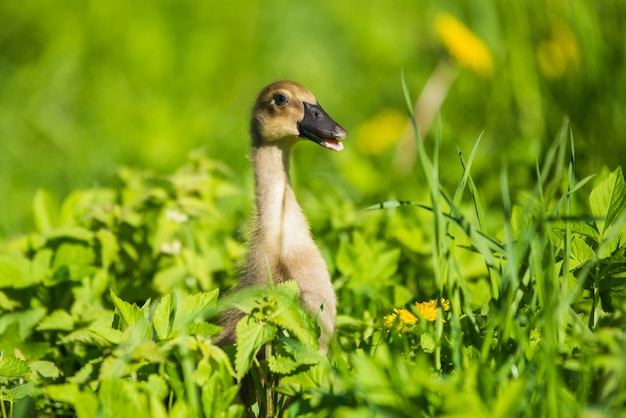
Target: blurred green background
[{"x": 89, "y": 86}]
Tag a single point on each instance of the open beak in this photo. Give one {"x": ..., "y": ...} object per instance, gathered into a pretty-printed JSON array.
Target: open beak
[{"x": 319, "y": 127}]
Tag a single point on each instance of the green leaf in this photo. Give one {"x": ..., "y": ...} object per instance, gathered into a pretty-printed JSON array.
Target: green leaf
[
  {"x": 608, "y": 199},
  {"x": 27, "y": 320},
  {"x": 57, "y": 320},
  {"x": 94, "y": 335},
  {"x": 117, "y": 395},
  {"x": 290, "y": 356},
  {"x": 41, "y": 265},
  {"x": 110, "y": 248},
  {"x": 149, "y": 351},
  {"x": 13, "y": 367},
  {"x": 427, "y": 342},
  {"x": 109, "y": 334},
  {"x": 7, "y": 304},
  {"x": 85, "y": 403},
  {"x": 194, "y": 307},
  {"x": 45, "y": 369},
  {"x": 251, "y": 335},
  {"x": 204, "y": 329},
  {"x": 11, "y": 340},
  {"x": 18, "y": 392},
  {"x": 156, "y": 385},
  {"x": 290, "y": 316},
  {"x": 581, "y": 252},
  {"x": 71, "y": 254},
  {"x": 86, "y": 373},
  {"x": 77, "y": 233},
  {"x": 15, "y": 271},
  {"x": 162, "y": 319},
  {"x": 128, "y": 313}
]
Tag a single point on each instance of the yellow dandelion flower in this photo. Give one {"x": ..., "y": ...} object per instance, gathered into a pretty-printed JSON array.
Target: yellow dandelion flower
[
  {"x": 404, "y": 317},
  {"x": 381, "y": 132},
  {"x": 427, "y": 309},
  {"x": 463, "y": 45},
  {"x": 445, "y": 304}
]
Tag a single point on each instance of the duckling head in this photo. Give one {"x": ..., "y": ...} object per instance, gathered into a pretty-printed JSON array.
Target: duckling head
[{"x": 286, "y": 112}]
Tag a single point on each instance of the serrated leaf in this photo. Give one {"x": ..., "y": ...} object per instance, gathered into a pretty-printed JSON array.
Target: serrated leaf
[
  {"x": 86, "y": 372},
  {"x": 427, "y": 342},
  {"x": 13, "y": 367},
  {"x": 290, "y": 356},
  {"x": 113, "y": 367},
  {"x": 194, "y": 307},
  {"x": 293, "y": 319},
  {"x": 45, "y": 369},
  {"x": 95, "y": 335},
  {"x": 128, "y": 313},
  {"x": 11, "y": 340},
  {"x": 40, "y": 266},
  {"x": 18, "y": 392},
  {"x": 581, "y": 252},
  {"x": 162, "y": 318},
  {"x": 57, "y": 320},
  {"x": 148, "y": 350},
  {"x": 77, "y": 233},
  {"x": 251, "y": 336},
  {"x": 156, "y": 385},
  {"x": 111, "y": 335},
  {"x": 289, "y": 289},
  {"x": 27, "y": 320},
  {"x": 220, "y": 357},
  {"x": 584, "y": 229},
  {"x": 109, "y": 252},
  {"x": 7, "y": 304},
  {"x": 15, "y": 271},
  {"x": 118, "y": 395},
  {"x": 282, "y": 365},
  {"x": 608, "y": 199},
  {"x": 85, "y": 403},
  {"x": 204, "y": 329},
  {"x": 70, "y": 254}
]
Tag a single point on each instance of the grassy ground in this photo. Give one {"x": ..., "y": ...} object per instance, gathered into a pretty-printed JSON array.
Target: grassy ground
[{"x": 106, "y": 306}]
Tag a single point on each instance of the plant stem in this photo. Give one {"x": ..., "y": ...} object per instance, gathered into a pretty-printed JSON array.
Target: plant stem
[{"x": 268, "y": 382}]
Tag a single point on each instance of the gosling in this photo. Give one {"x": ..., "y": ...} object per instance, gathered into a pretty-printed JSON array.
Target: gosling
[{"x": 284, "y": 114}]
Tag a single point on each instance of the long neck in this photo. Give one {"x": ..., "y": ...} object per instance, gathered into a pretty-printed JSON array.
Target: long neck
[{"x": 280, "y": 223}]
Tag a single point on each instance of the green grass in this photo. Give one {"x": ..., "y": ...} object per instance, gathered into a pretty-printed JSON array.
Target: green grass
[{"x": 107, "y": 306}]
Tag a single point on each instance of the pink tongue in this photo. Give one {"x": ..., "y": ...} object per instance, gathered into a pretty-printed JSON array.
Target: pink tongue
[{"x": 332, "y": 144}]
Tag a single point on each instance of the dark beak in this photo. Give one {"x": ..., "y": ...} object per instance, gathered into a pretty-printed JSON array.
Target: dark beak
[{"x": 319, "y": 127}]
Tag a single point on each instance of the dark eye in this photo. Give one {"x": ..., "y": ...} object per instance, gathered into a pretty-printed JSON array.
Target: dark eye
[{"x": 280, "y": 99}]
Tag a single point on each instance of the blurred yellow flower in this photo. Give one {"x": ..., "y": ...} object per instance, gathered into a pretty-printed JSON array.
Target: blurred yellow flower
[
  {"x": 559, "y": 53},
  {"x": 403, "y": 317},
  {"x": 381, "y": 132},
  {"x": 463, "y": 45}
]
